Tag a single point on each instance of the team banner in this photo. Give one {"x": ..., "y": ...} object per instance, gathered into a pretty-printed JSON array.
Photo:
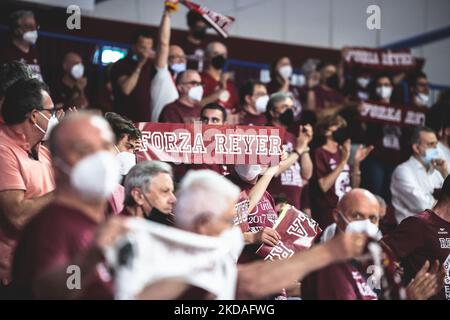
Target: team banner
[
  {"x": 298, "y": 232},
  {"x": 392, "y": 115},
  {"x": 218, "y": 21},
  {"x": 379, "y": 59},
  {"x": 208, "y": 144}
]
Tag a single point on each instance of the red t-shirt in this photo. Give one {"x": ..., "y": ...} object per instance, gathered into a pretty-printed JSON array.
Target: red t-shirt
[
  {"x": 248, "y": 119},
  {"x": 322, "y": 203},
  {"x": 420, "y": 238},
  {"x": 177, "y": 112},
  {"x": 337, "y": 282},
  {"x": 30, "y": 58},
  {"x": 54, "y": 238},
  {"x": 135, "y": 106},
  {"x": 211, "y": 86},
  {"x": 289, "y": 183}
]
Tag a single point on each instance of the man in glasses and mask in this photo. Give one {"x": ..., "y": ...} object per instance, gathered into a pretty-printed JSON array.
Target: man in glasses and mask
[
  {"x": 26, "y": 175},
  {"x": 23, "y": 31}
]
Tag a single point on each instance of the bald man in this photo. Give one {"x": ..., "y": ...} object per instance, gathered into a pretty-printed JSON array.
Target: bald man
[
  {"x": 346, "y": 281},
  {"x": 187, "y": 108},
  {"x": 70, "y": 90},
  {"x": 218, "y": 85},
  {"x": 67, "y": 236}
]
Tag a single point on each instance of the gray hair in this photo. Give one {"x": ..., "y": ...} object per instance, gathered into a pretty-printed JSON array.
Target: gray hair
[
  {"x": 203, "y": 192},
  {"x": 140, "y": 176},
  {"x": 381, "y": 201},
  {"x": 274, "y": 100}
]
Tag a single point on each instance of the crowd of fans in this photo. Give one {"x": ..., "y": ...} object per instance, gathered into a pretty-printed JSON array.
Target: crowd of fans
[{"x": 69, "y": 177}]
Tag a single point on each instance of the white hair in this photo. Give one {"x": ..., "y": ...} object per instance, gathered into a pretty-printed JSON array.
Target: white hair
[{"x": 203, "y": 192}]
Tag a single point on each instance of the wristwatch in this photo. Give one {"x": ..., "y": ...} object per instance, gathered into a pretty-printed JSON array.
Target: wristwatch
[{"x": 304, "y": 152}]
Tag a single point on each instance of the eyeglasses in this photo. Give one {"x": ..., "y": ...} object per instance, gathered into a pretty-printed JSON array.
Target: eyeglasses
[{"x": 53, "y": 111}]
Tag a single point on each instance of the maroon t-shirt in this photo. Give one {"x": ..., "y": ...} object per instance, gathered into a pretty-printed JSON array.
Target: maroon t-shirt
[
  {"x": 211, "y": 86},
  {"x": 419, "y": 238},
  {"x": 341, "y": 281},
  {"x": 177, "y": 112},
  {"x": 135, "y": 106},
  {"x": 54, "y": 238},
  {"x": 10, "y": 52},
  {"x": 322, "y": 203},
  {"x": 289, "y": 183},
  {"x": 248, "y": 119}
]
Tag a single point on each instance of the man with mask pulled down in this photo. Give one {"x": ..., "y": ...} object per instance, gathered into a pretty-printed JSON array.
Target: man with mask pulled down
[
  {"x": 71, "y": 229},
  {"x": 414, "y": 183}
]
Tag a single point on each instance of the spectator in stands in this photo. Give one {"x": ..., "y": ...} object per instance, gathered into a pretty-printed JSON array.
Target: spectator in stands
[
  {"x": 333, "y": 176},
  {"x": 290, "y": 180},
  {"x": 424, "y": 237},
  {"x": 325, "y": 98},
  {"x": 26, "y": 175},
  {"x": 131, "y": 79},
  {"x": 187, "y": 108},
  {"x": 218, "y": 84},
  {"x": 149, "y": 192},
  {"x": 105, "y": 96},
  {"x": 194, "y": 45},
  {"x": 126, "y": 143},
  {"x": 444, "y": 138},
  {"x": 213, "y": 114},
  {"x": 70, "y": 230},
  {"x": 281, "y": 72},
  {"x": 23, "y": 30},
  {"x": 70, "y": 90},
  {"x": 415, "y": 181},
  {"x": 419, "y": 90},
  {"x": 10, "y": 72},
  {"x": 253, "y": 99},
  {"x": 163, "y": 89},
  {"x": 388, "y": 142}
]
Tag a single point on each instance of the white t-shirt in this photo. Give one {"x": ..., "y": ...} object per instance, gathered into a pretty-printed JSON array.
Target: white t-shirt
[
  {"x": 445, "y": 153},
  {"x": 163, "y": 91}
]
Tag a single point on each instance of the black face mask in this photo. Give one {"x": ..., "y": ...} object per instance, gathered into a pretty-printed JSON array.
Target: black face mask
[
  {"x": 287, "y": 118},
  {"x": 199, "y": 34},
  {"x": 340, "y": 135},
  {"x": 333, "y": 82},
  {"x": 218, "y": 62}
]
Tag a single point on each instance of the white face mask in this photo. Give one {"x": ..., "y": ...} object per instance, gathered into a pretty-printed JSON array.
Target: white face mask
[
  {"x": 384, "y": 92},
  {"x": 196, "y": 93},
  {"x": 423, "y": 99},
  {"x": 286, "y": 71},
  {"x": 126, "y": 160},
  {"x": 248, "y": 172},
  {"x": 178, "y": 67},
  {"x": 96, "y": 176},
  {"x": 77, "y": 71},
  {"x": 261, "y": 104},
  {"x": 363, "y": 226},
  {"x": 30, "y": 37},
  {"x": 363, "y": 82},
  {"x": 52, "y": 122}
]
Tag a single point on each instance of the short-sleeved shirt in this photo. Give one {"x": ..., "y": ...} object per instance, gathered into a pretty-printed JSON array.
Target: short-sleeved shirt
[
  {"x": 54, "y": 238},
  {"x": 211, "y": 85},
  {"x": 342, "y": 281},
  {"x": 19, "y": 171},
  {"x": 177, "y": 112},
  {"x": 289, "y": 183},
  {"x": 423, "y": 237},
  {"x": 323, "y": 203},
  {"x": 10, "y": 53},
  {"x": 135, "y": 106}
]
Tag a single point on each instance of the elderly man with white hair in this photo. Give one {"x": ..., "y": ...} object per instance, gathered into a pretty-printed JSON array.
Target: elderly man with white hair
[{"x": 167, "y": 262}]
